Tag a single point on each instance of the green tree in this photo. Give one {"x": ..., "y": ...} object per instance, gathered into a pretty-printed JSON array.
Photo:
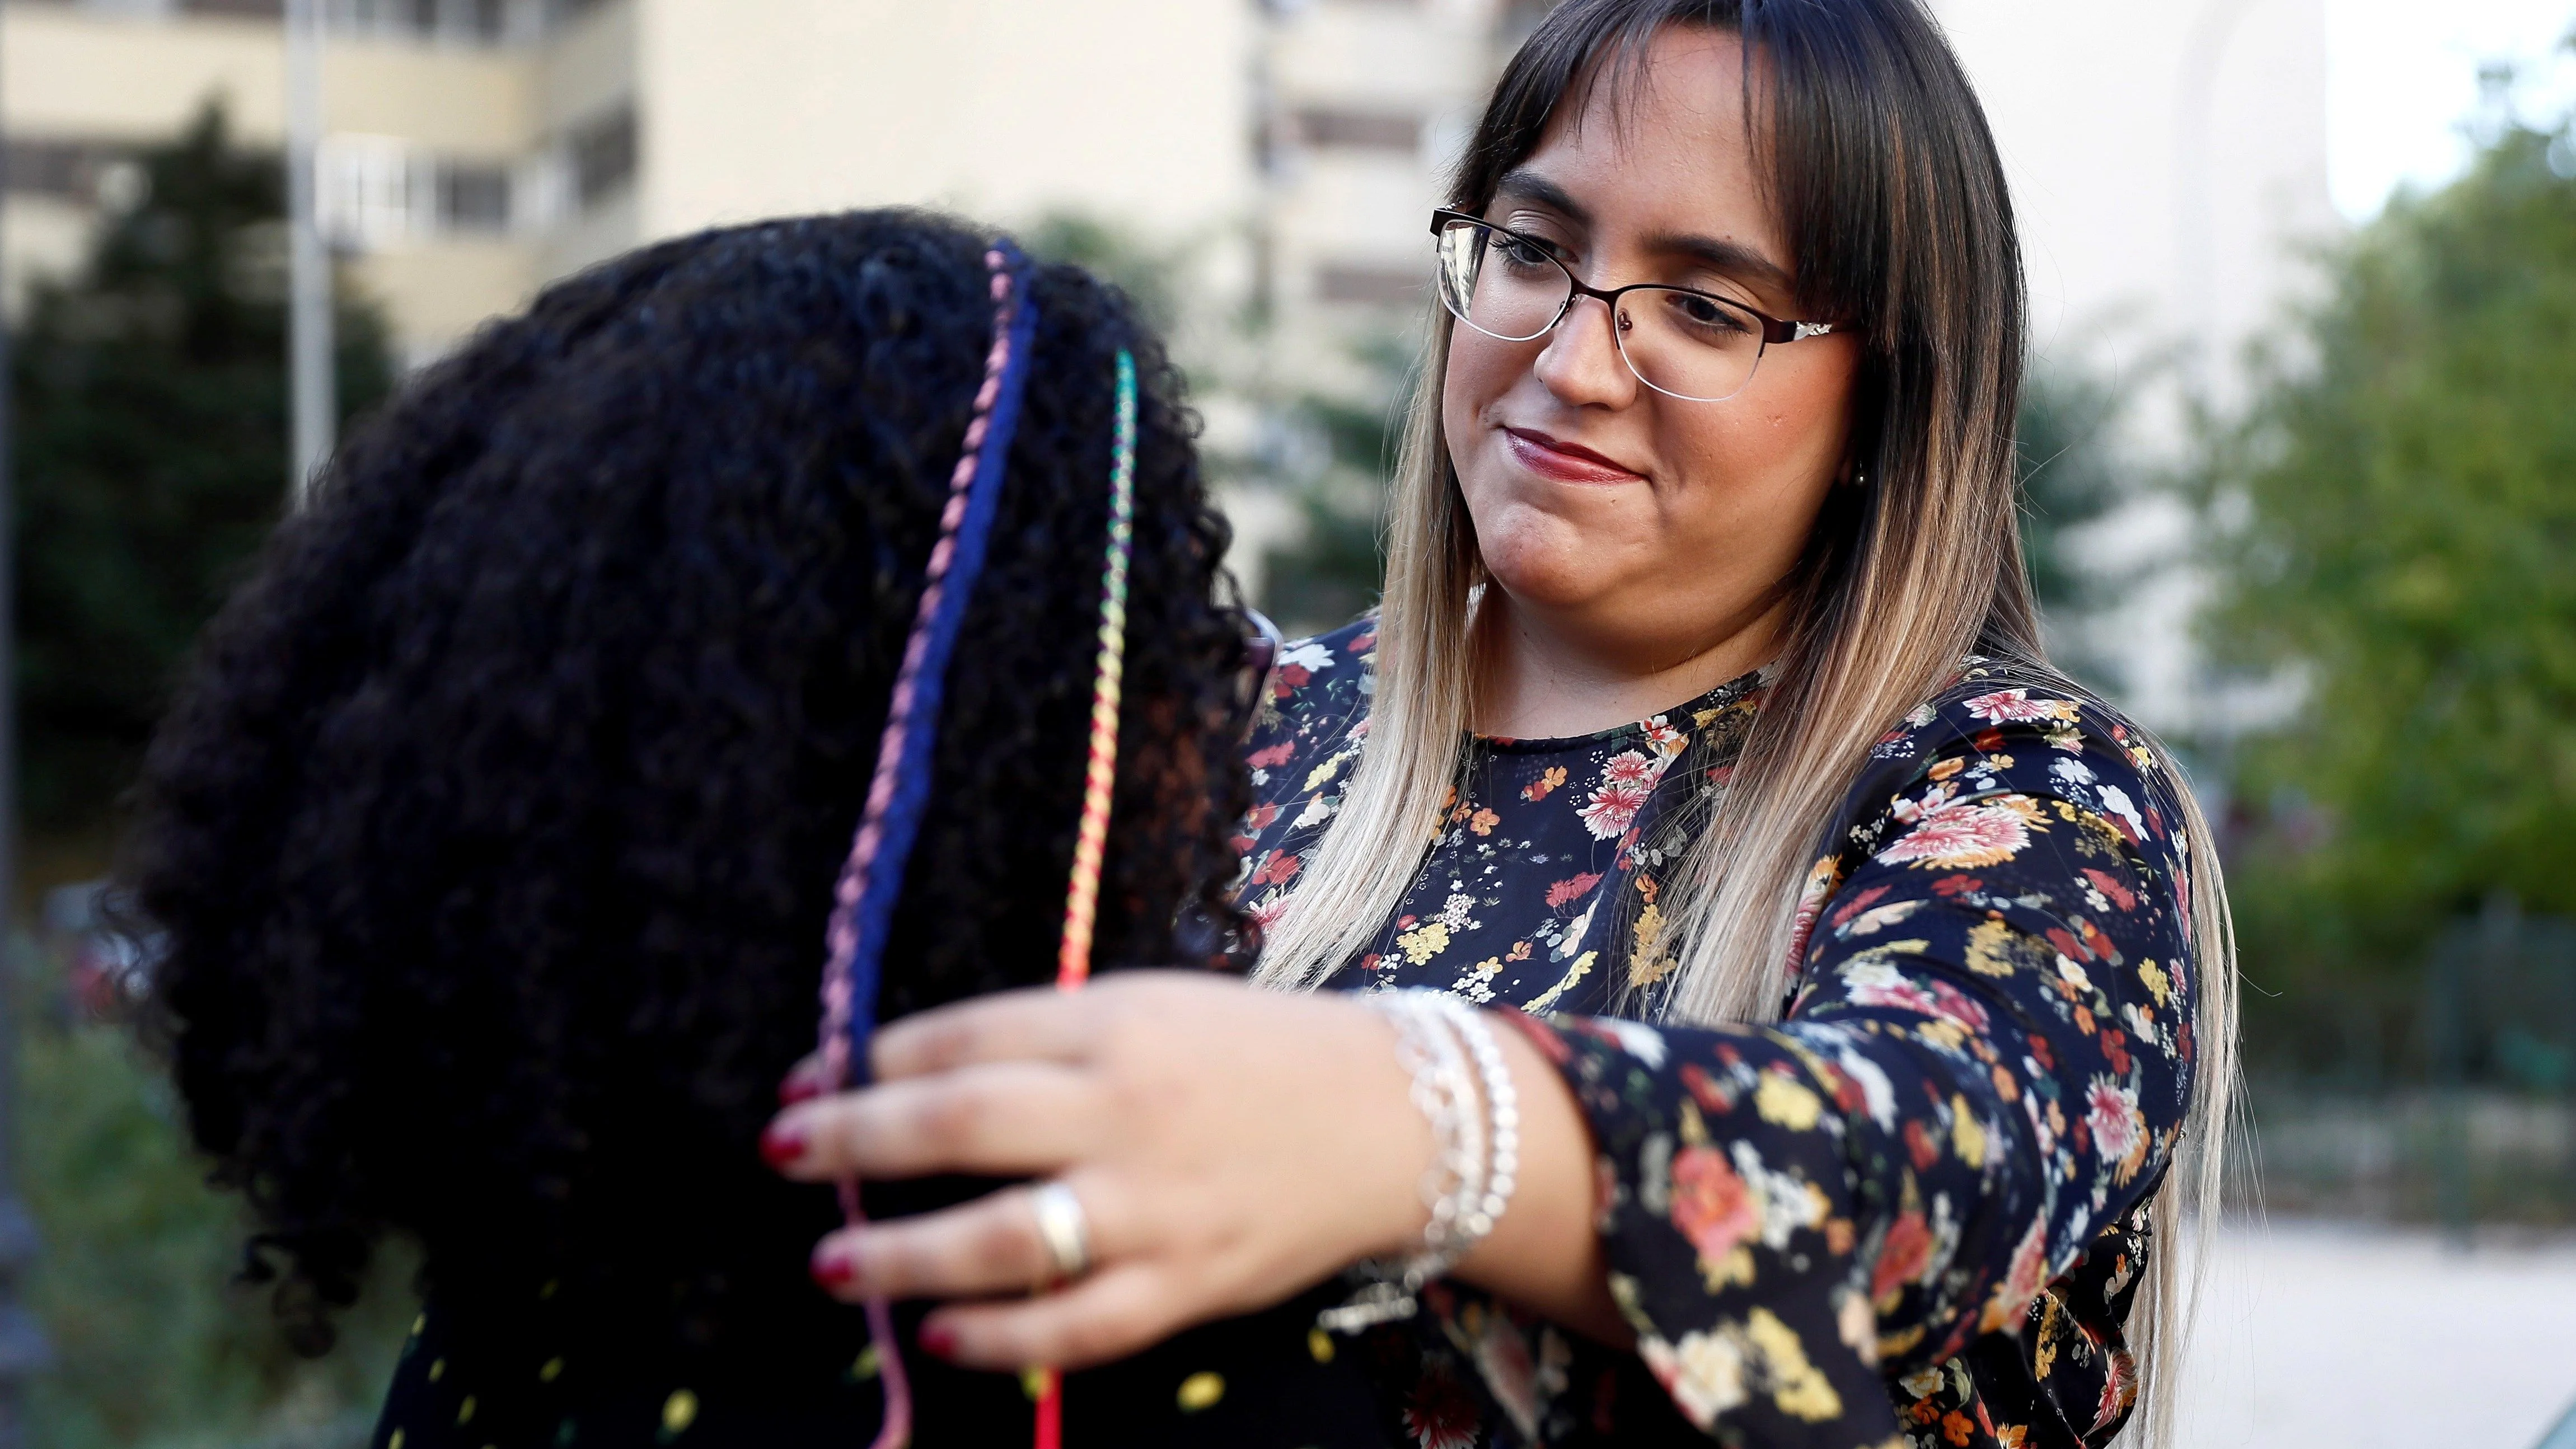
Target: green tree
[
  {"x": 1345, "y": 446},
  {"x": 150, "y": 454},
  {"x": 2395, "y": 528},
  {"x": 2074, "y": 475},
  {"x": 157, "y": 1342},
  {"x": 150, "y": 402}
]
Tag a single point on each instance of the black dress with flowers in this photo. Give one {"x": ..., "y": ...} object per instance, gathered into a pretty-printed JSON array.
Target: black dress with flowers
[{"x": 1912, "y": 1211}]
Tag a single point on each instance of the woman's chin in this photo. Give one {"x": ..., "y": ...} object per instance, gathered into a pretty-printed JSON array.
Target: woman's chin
[{"x": 1548, "y": 579}]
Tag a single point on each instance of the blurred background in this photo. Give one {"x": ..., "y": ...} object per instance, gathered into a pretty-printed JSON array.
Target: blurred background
[{"x": 2300, "y": 447}]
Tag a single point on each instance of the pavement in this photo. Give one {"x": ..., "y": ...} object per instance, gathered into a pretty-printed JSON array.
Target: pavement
[{"x": 2319, "y": 1335}]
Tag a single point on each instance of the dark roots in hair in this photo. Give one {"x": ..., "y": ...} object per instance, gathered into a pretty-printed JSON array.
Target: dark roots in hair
[{"x": 495, "y": 829}]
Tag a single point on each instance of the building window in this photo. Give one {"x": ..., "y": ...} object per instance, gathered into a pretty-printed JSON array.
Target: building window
[
  {"x": 603, "y": 156},
  {"x": 1353, "y": 129},
  {"x": 1369, "y": 286},
  {"x": 473, "y": 197},
  {"x": 473, "y": 22},
  {"x": 62, "y": 170}
]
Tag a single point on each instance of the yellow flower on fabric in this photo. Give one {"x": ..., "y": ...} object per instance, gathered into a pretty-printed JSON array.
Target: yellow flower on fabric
[
  {"x": 2157, "y": 982},
  {"x": 1649, "y": 962},
  {"x": 1424, "y": 941},
  {"x": 1797, "y": 1386},
  {"x": 1967, "y": 1133},
  {"x": 1786, "y": 1102},
  {"x": 1581, "y": 968},
  {"x": 1990, "y": 949}
]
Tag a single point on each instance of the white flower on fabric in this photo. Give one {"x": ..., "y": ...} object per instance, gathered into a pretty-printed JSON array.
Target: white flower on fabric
[
  {"x": 1704, "y": 1373},
  {"x": 1875, "y": 1089},
  {"x": 2072, "y": 772},
  {"x": 1789, "y": 1201},
  {"x": 1309, "y": 653},
  {"x": 2117, "y": 801},
  {"x": 1635, "y": 1038},
  {"x": 2073, "y": 974}
]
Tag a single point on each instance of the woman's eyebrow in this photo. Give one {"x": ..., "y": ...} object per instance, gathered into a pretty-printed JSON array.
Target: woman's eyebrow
[
  {"x": 1528, "y": 185},
  {"x": 1733, "y": 258}
]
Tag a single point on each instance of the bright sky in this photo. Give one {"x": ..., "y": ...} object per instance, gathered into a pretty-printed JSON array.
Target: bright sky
[{"x": 2402, "y": 75}]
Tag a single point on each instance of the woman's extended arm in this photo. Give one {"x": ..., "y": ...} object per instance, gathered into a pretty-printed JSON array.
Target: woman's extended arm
[
  {"x": 1986, "y": 1067},
  {"x": 1229, "y": 1146}
]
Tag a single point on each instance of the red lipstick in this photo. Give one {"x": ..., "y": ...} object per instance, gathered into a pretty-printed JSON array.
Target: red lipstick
[{"x": 1562, "y": 461}]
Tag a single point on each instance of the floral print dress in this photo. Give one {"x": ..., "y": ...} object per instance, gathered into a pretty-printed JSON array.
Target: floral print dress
[{"x": 1912, "y": 1212}]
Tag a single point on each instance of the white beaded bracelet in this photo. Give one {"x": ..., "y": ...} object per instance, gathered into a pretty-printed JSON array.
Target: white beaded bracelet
[{"x": 1472, "y": 1177}]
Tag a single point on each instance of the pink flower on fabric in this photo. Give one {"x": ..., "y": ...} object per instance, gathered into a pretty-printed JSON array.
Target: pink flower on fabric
[
  {"x": 1965, "y": 837},
  {"x": 1889, "y": 989},
  {"x": 1627, "y": 782},
  {"x": 1958, "y": 1006},
  {"x": 2015, "y": 706},
  {"x": 1904, "y": 1255},
  {"x": 2112, "y": 1113},
  {"x": 2021, "y": 1282},
  {"x": 1439, "y": 1414},
  {"x": 1711, "y": 1205}
]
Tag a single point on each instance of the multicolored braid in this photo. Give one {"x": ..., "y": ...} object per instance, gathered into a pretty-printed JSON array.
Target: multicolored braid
[
  {"x": 1082, "y": 893},
  {"x": 1082, "y": 896},
  {"x": 872, "y": 878}
]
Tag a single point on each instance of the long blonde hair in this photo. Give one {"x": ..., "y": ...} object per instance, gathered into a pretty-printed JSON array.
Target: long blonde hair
[{"x": 1893, "y": 197}]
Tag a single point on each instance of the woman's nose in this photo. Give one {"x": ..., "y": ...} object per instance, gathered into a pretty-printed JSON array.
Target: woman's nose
[{"x": 1581, "y": 364}]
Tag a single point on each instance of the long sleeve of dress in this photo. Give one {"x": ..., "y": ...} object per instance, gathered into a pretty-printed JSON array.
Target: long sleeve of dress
[{"x": 1944, "y": 1148}]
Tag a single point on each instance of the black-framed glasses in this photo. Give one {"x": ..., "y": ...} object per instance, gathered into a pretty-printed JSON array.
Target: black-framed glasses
[
  {"x": 1262, "y": 647},
  {"x": 1687, "y": 344}
]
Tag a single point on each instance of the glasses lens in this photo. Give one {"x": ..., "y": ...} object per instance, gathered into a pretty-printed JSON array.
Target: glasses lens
[
  {"x": 1688, "y": 344},
  {"x": 1499, "y": 284}
]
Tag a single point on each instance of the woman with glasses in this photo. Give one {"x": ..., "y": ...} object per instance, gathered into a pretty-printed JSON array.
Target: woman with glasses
[{"x": 1720, "y": 981}]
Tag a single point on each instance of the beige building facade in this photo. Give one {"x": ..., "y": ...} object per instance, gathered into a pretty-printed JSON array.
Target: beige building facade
[{"x": 1279, "y": 153}]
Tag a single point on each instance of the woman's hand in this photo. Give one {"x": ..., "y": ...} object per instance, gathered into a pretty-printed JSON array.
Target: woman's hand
[{"x": 1228, "y": 1147}]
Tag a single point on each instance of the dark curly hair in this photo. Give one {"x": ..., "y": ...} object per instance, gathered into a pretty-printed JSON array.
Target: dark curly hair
[{"x": 494, "y": 831}]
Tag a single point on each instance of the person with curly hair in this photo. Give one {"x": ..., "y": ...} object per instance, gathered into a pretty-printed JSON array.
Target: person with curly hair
[{"x": 495, "y": 831}]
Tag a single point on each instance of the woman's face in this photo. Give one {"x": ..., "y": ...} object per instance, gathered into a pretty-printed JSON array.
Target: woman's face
[{"x": 1651, "y": 528}]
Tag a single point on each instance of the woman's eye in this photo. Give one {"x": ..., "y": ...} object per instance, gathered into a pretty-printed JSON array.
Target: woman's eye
[
  {"x": 1705, "y": 313},
  {"x": 1523, "y": 253}
]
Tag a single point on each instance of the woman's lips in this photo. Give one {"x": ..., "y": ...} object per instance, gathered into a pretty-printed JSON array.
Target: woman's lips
[{"x": 1564, "y": 462}]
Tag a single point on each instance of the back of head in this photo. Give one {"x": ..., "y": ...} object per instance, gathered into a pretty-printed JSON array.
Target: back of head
[{"x": 494, "y": 833}]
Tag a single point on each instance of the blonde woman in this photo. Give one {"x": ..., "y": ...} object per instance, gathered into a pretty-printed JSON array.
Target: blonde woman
[{"x": 1884, "y": 975}]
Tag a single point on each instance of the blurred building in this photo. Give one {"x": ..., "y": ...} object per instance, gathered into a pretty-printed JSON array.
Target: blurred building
[
  {"x": 1278, "y": 157},
  {"x": 1281, "y": 153}
]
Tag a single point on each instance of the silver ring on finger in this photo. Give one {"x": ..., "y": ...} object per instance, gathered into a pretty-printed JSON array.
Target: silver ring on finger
[{"x": 1064, "y": 1228}]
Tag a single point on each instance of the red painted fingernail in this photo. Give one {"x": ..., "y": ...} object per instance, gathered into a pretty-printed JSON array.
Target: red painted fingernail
[
  {"x": 798, "y": 1087},
  {"x": 938, "y": 1340},
  {"x": 834, "y": 1268},
  {"x": 783, "y": 1143}
]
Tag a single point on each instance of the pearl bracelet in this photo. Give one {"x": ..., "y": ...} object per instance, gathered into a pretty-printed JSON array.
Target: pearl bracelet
[{"x": 1477, "y": 1165}]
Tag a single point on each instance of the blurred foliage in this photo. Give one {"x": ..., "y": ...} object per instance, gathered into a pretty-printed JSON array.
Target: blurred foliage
[
  {"x": 2074, "y": 474},
  {"x": 1111, "y": 251},
  {"x": 1337, "y": 452},
  {"x": 2394, "y": 534},
  {"x": 157, "y": 1342},
  {"x": 150, "y": 449},
  {"x": 150, "y": 398}
]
